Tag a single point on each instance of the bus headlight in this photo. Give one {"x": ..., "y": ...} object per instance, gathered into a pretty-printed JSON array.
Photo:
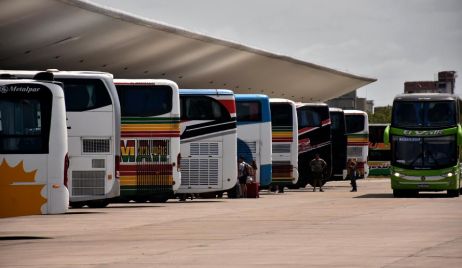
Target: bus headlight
[
  {"x": 450, "y": 174},
  {"x": 396, "y": 174}
]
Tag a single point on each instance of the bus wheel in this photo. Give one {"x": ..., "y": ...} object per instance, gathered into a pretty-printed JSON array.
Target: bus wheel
[
  {"x": 453, "y": 193},
  {"x": 98, "y": 203},
  {"x": 76, "y": 204}
]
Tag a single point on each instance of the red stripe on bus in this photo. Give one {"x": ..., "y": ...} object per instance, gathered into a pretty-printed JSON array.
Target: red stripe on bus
[{"x": 230, "y": 105}]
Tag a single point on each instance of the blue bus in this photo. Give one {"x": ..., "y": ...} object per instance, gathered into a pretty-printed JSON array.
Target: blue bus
[{"x": 254, "y": 134}]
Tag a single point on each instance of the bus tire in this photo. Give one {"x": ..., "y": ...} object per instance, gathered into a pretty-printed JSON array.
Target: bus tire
[
  {"x": 98, "y": 203},
  {"x": 453, "y": 193}
]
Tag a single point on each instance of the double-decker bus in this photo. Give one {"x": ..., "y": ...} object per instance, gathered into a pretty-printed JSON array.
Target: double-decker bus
[
  {"x": 208, "y": 141},
  {"x": 357, "y": 128},
  {"x": 33, "y": 148},
  {"x": 93, "y": 128},
  {"x": 379, "y": 152},
  {"x": 150, "y": 144},
  {"x": 339, "y": 143},
  {"x": 425, "y": 137},
  {"x": 254, "y": 133},
  {"x": 314, "y": 132},
  {"x": 284, "y": 126}
]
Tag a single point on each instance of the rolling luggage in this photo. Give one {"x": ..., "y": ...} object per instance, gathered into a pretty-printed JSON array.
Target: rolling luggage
[{"x": 253, "y": 190}]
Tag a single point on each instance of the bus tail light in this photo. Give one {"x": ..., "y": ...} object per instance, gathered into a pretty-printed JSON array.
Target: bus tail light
[
  {"x": 66, "y": 168},
  {"x": 178, "y": 162},
  {"x": 117, "y": 166}
]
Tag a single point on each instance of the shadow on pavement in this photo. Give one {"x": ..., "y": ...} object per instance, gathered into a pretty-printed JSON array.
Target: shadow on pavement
[
  {"x": 83, "y": 212},
  {"x": 12, "y": 238},
  {"x": 378, "y": 195}
]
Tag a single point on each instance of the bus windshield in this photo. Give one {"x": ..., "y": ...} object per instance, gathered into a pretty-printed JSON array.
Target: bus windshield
[
  {"x": 249, "y": 111},
  {"x": 424, "y": 152},
  {"x": 281, "y": 114},
  {"x": 409, "y": 114},
  {"x": 145, "y": 100},
  {"x": 354, "y": 123}
]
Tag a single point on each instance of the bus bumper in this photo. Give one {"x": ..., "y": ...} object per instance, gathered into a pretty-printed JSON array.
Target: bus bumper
[{"x": 434, "y": 180}]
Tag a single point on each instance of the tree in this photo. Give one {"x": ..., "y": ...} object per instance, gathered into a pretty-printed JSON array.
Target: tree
[{"x": 381, "y": 115}]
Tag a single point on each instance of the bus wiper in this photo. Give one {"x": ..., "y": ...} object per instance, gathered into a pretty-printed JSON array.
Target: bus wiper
[{"x": 418, "y": 156}]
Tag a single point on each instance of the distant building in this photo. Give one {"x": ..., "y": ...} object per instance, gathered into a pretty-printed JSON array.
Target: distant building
[
  {"x": 445, "y": 84},
  {"x": 351, "y": 101}
]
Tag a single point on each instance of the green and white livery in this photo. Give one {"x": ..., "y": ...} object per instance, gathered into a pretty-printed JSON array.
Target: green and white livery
[{"x": 425, "y": 137}]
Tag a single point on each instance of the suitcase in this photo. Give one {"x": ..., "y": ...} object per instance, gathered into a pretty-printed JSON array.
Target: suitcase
[{"x": 253, "y": 190}]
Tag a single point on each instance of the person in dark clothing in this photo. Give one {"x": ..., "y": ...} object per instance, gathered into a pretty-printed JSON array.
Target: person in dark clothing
[
  {"x": 352, "y": 173},
  {"x": 317, "y": 166}
]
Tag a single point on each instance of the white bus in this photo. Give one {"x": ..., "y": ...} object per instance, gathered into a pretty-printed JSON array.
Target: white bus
[
  {"x": 150, "y": 145},
  {"x": 93, "y": 124},
  {"x": 284, "y": 126},
  {"x": 208, "y": 141},
  {"x": 254, "y": 134},
  {"x": 33, "y": 148},
  {"x": 357, "y": 130}
]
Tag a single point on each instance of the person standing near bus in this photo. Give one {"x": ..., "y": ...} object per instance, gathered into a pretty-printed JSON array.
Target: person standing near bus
[
  {"x": 317, "y": 166},
  {"x": 352, "y": 173},
  {"x": 243, "y": 173}
]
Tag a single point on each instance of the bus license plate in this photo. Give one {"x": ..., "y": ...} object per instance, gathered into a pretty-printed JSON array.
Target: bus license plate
[{"x": 423, "y": 185}]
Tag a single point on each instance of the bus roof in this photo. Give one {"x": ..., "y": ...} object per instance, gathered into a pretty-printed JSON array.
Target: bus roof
[
  {"x": 313, "y": 104},
  {"x": 160, "y": 82},
  {"x": 282, "y": 100},
  {"x": 248, "y": 97},
  {"x": 54, "y": 87},
  {"x": 354, "y": 112},
  {"x": 425, "y": 97},
  {"x": 335, "y": 109},
  {"x": 206, "y": 92},
  {"x": 58, "y": 73}
]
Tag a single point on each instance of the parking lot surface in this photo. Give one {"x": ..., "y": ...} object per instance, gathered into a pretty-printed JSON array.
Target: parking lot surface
[{"x": 299, "y": 228}]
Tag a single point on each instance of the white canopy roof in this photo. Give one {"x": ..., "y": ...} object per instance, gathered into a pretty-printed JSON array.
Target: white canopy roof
[{"x": 78, "y": 35}]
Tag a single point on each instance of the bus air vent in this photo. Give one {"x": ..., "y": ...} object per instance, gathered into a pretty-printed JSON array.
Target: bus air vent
[
  {"x": 96, "y": 146},
  {"x": 88, "y": 182},
  {"x": 199, "y": 172},
  {"x": 281, "y": 148},
  {"x": 204, "y": 149},
  {"x": 98, "y": 163}
]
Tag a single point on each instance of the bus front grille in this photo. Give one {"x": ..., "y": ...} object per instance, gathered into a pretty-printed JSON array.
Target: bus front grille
[{"x": 88, "y": 182}]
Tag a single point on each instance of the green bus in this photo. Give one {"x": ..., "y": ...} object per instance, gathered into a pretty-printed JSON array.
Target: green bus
[{"x": 425, "y": 137}]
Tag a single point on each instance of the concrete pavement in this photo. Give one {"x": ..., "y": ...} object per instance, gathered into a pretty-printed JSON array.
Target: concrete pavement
[{"x": 299, "y": 228}]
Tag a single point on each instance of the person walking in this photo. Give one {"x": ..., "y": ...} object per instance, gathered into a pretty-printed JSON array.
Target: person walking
[
  {"x": 352, "y": 173},
  {"x": 317, "y": 166}
]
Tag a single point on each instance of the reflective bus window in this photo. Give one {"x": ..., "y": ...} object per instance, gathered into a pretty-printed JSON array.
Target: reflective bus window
[
  {"x": 354, "y": 123},
  {"x": 248, "y": 111},
  {"x": 145, "y": 100},
  {"x": 281, "y": 114},
  {"x": 84, "y": 94},
  {"x": 202, "y": 108}
]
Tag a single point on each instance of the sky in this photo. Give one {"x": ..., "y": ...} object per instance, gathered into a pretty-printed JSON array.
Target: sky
[{"x": 393, "y": 41}]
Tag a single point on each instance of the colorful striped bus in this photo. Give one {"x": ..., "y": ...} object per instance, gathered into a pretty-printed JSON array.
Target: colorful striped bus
[
  {"x": 357, "y": 125},
  {"x": 150, "y": 144},
  {"x": 33, "y": 148},
  {"x": 284, "y": 127}
]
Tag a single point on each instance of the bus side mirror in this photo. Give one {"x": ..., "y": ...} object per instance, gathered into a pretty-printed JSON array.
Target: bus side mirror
[
  {"x": 386, "y": 135},
  {"x": 459, "y": 134}
]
